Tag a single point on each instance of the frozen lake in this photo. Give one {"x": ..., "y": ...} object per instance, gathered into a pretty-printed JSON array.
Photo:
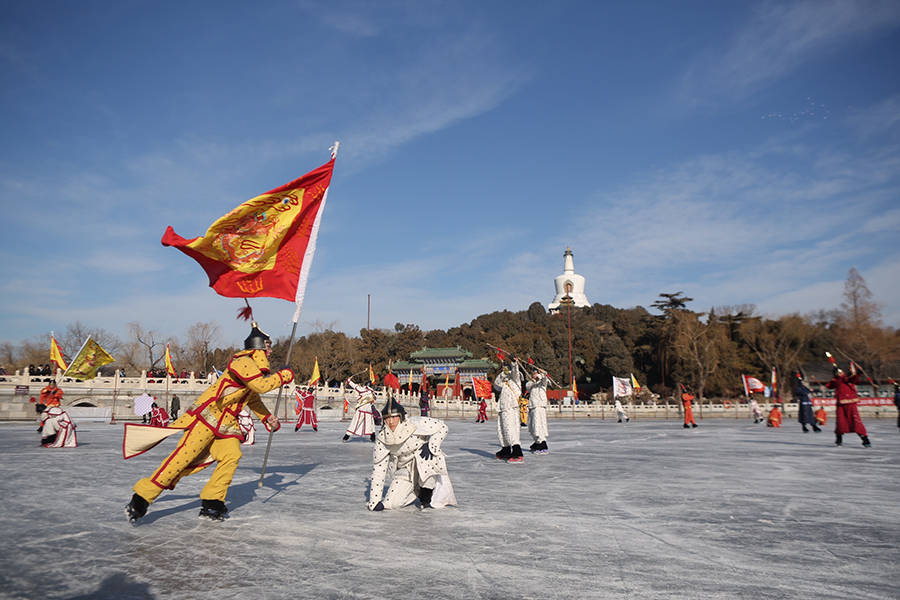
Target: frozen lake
[{"x": 644, "y": 510}]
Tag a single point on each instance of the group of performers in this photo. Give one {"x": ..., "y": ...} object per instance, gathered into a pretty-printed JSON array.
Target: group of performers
[{"x": 406, "y": 449}]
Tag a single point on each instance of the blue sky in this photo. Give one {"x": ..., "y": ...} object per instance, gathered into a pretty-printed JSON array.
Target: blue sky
[{"x": 738, "y": 152}]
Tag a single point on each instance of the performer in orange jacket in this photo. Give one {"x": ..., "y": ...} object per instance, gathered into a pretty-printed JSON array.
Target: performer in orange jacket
[
  {"x": 775, "y": 417},
  {"x": 51, "y": 395},
  {"x": 847, "y": 419},
  {"x": 821, "y": 416},
  {"x": 686, "y": 400},
  {"x": 211, "y": 430}
]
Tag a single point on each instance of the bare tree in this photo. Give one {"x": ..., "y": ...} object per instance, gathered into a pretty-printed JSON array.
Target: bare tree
[
  {"x": 778, "y": 344},
  {"x": 860, "y": 334},
  {"x": 698, "y": 346},
  {"x": 150, "y": 340},
  {"x": 200, "y": 338}
]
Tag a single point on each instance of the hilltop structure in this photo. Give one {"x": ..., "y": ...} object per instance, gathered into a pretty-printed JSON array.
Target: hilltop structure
[{"x": 569, "y": 286}]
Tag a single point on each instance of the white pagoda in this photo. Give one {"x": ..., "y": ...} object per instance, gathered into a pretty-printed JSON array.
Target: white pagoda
[{"x": 569, "y": 286}]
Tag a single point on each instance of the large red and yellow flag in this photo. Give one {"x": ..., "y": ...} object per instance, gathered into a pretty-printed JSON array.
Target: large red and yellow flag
[
  {"x": 263, "y": 247},
  {"x": 373, "y": 378},
  {"x": 56, "y": 355},
  {"x": 170, "y": 368},
  {"x": 90, "y": 358}
]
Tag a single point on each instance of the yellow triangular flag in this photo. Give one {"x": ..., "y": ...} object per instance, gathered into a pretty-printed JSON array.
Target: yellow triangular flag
[
  {"x": 56, "y": 355},
  {"x": 314, "y": 378}
]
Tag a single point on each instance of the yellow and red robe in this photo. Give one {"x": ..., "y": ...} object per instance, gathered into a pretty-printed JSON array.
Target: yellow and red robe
[{"x": 210, "y": 426}]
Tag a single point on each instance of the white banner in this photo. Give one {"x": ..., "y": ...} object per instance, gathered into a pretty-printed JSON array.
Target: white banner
[{"x": 621, "y": 387}]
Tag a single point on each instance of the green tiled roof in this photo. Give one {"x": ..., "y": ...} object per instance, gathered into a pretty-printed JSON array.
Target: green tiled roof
[
  {"x": 440, "y": 353},
  {"x": 477, "y": 363}
]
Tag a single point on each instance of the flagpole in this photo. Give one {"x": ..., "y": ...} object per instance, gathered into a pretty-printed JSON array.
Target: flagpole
[
  {"x": 301, "y": 292},
  {"x": 112, "y": 417}
]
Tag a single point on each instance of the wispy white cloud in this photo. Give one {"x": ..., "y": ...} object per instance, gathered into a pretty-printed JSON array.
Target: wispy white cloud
[
  {"x": 779, "y": 38},
  {"x": 877, "y": 120},
  {"x": 737, "y": 228}
]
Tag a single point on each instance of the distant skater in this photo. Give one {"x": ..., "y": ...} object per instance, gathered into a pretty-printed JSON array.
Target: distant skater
[
  {"x": 755, "y": 411},
  {"x": 620, "y": 412},
  {"x": 687, "y": 401},
  {"x": 775, "y": 417},
  {"x": 363, "y": 422},
  {"x": 847, "y": 419},
  {"x": 482, "y": 411},
  {"x": 897, "y": 401},
  {"x": 537, "y": 412},
  {"x": 821, "y": 416},
  {"x": 804, "y": 406},
  {"x": 509, "y": 381}
]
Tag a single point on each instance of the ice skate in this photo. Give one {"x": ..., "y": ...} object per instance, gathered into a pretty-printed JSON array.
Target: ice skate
[
  {"x": 693, "y": 425},
  {"x": 504, "y": 453},
  {"x": 214, "y": 510},
  {"x": 838, "y": 439},
  {"x": 136, "y": 509},
  {"x": 372, "y": 437},
  {"x": 686, "y": 426},
  {"x": 346, "y": 437},
  {"x": 865, "y": 441},
  {"x": 805, "y": 430},
  {"x": 515, "y": 455},
  {"x": 542, "y": 448}
]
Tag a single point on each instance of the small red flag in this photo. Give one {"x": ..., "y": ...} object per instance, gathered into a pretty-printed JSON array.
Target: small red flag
[{"x": 500, "y": 355}]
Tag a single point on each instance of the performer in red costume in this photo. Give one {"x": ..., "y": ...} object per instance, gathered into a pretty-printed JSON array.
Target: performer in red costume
[
  {"x": 306, "y": 409},
  {"x": 846, "y": 413}
]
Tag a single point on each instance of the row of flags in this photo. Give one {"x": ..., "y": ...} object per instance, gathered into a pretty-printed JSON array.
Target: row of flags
[{"x": 90, "y": 357}]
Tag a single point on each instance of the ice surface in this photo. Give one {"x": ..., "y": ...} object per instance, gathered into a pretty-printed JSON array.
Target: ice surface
[{"x": 644, "y": 510}]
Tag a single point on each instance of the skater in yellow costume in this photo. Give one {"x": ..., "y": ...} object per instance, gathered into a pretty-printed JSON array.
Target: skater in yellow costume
[{"x": 211, "y": 430}]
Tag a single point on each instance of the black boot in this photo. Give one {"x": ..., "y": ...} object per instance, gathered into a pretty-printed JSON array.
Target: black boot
[
  {"x": 805, "y": 430},
  {"x": 516, "y": 455},
  {"x": 534, "y": 446},
  {"x": 817, "y": 429},
  {"x": 504, "y": 453},
  {"x": 372, "y": 437},
  {"x": 693, "y": 424},
  {"x": 542, "y": 448},
  {"x": 686, "y": 426},
  {"x": 425, "y": 497},
  {"x": 865, "y": 441},
  {"x": 46, "y": 441},
  {"x": 214, "y": 510},
  {"x": 346, "y": 437},
  {"x": 137, "y": 508},
  {"x": 838, "y": 439}
]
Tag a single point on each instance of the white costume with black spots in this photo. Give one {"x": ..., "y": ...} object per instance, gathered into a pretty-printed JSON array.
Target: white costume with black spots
[
  {"x": 537, "y": 407},
  {"x": 400, "y": 452},
  {"x": 508, "y": 424}
]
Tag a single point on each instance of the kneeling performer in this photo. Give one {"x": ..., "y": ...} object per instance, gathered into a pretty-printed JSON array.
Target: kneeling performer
[{"x": 412, "y": 449}]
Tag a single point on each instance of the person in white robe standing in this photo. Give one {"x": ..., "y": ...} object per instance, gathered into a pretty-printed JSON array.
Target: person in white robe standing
[
  {"x": 411, "y": 450},
  {"x": 537, "y": 411},
  {"x": 509, "y": 382},
  {"x": 363, "y": 422},
  {"x": 621, "y": 415}
]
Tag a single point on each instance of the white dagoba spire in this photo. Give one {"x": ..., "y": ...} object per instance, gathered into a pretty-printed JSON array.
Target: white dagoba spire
[{"x": 568, "y": 284}]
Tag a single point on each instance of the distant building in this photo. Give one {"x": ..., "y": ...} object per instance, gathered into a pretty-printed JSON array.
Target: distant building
[
  {"x": 438, "y": 363},
  {"x": 568, "y": 285}
]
